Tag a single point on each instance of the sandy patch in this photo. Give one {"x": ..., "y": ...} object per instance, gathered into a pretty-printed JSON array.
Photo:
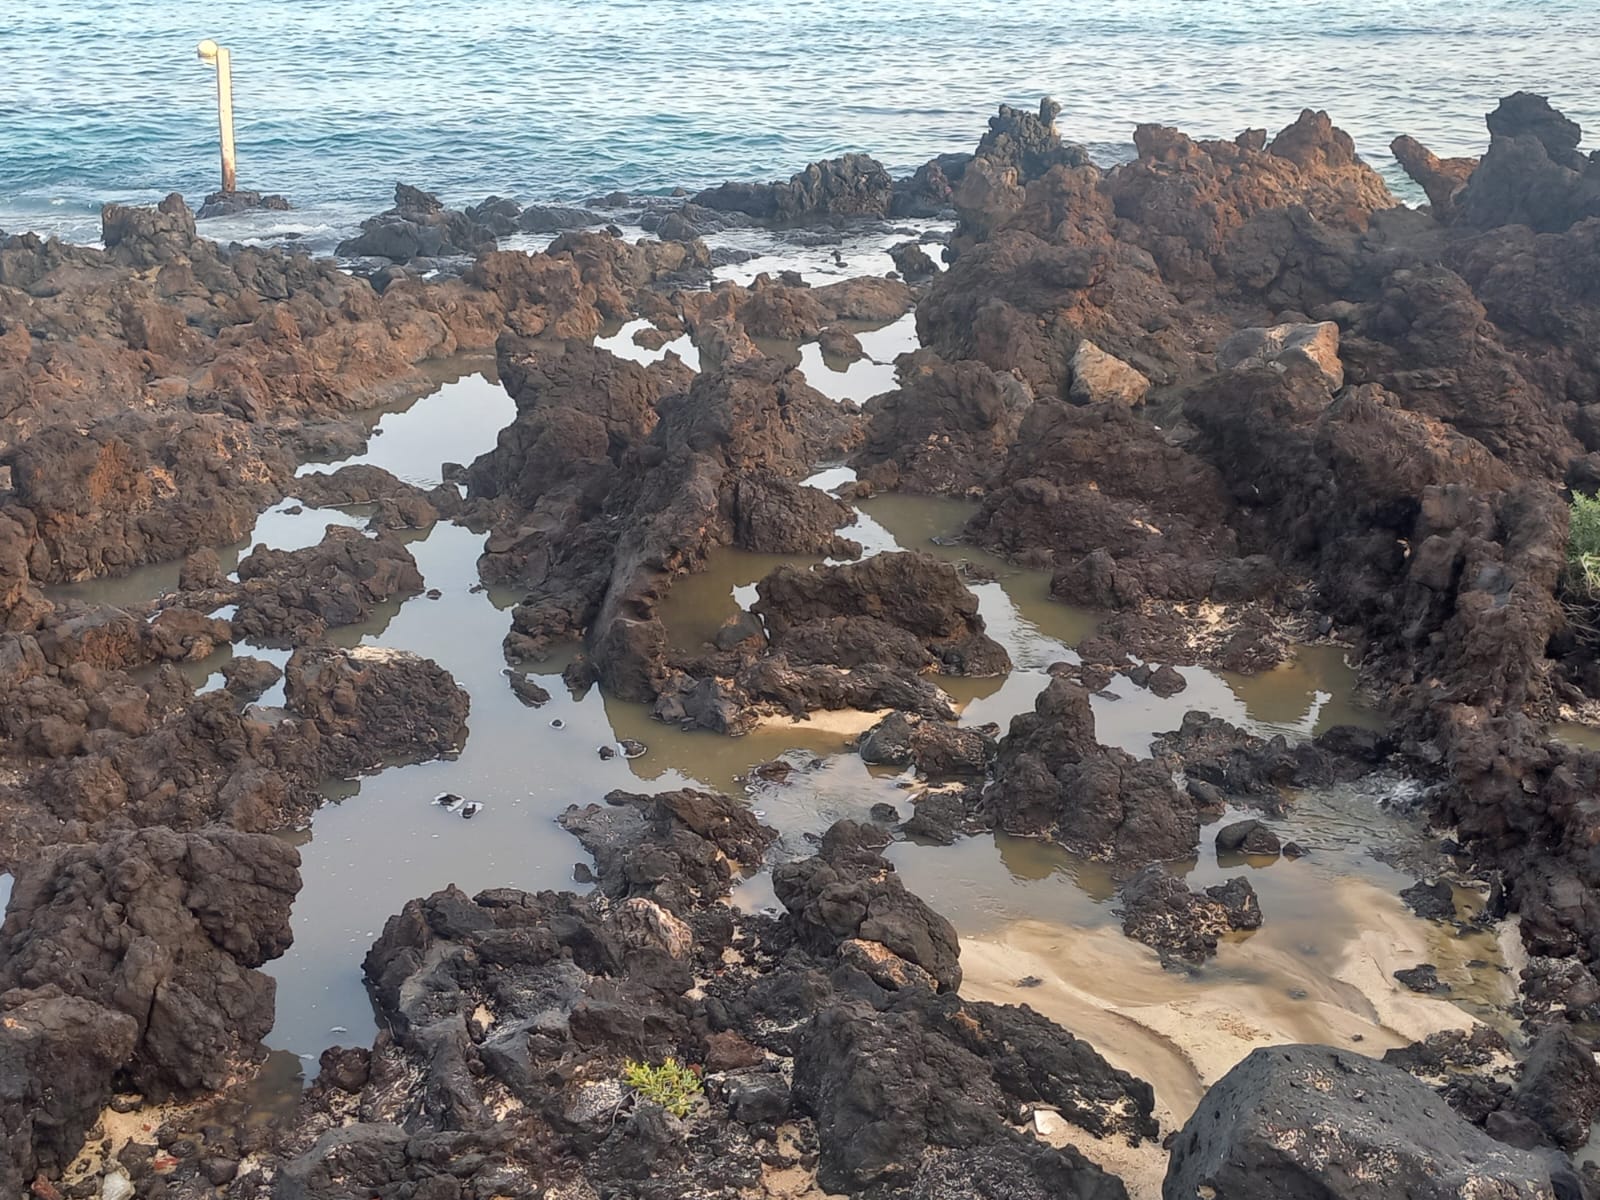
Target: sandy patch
[
  {"x": 1141, "y": 1168},
  {"x": 1183, "y": 1032},
  {"x": 846, "y": 722},
  {"x": 112, "y": 1132}
]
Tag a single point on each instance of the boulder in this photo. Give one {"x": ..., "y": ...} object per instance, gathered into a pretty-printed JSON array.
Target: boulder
[
  {"x": 899, "y": 1104},
  {"x": 917, "y": 593},
  {"x": 163, "y": 932},
  {"x": 853, "y": 185},
  {"x": 935, "y": 748},
  {"x": 1098, "y": 377},
  {"x": 1282, "y": 346},
  {"x": 1315, "y": 1123},
  {"x": 373, "y": 705},
  {"x": 912, "y": 261},
  {"x": 842, "y": 895},
  {"x": 229, "y": 204},
  {"x": 1184, "y": 927},
  {"x": 1247, "y": 837},
  {"x": 1533, "y": 173},
  {"x": 1560, "y": 1088},
  {"x": 1053, "y": 779},
  {"x": 553, "y": 218},
  {"x": 418, "y": 226}
]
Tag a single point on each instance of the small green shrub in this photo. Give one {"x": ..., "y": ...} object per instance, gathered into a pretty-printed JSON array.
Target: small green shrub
[
  {"x": 1583, "y": 545},
  {"x": 672, "y": 1085}
]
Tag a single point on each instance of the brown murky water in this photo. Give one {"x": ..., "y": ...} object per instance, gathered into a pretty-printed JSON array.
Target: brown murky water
[
  {"x": 1573, "y": 734},
  {"x": 379, "y": 841}
]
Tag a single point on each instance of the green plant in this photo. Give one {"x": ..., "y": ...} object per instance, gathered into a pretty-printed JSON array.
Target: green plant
[
  {"x": 672, "y": 1085},
  {"x": 1583, "y": 545}
]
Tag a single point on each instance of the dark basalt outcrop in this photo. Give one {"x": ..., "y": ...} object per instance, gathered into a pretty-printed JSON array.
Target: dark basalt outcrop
[
  {"x": 627, "y": 494},
  {"x": 294, "y": 597},
  {"x": 848, "y": 893},
  {"x": 1018, "y": 148},
  {"x": 1293, "y": 1122},
  {"x": 851, "y": 186},
  {"x": 420, "y": 226},
  {"x": 1440, "y": 178},
  {"x": 917, "y": 593},
  {"x": 1560, "y": 1089},
  {"x": 1532, "y": 174},
  {"x": 1255, "y": 771},
  {"x": 510, "y": 1015},
  {"x": 946, "y": 430},
  {"x": 1054, "y": 779},
  {"x": 151, "y": 753},
  {"x": 374, "y": 705},
  {"x": 151, "y": 386},
  {"x": 133, "y": 962},
  {"x": 1124, "y": 516},
  {"x": 228, "y": 204},
  {"x": 936, "y": 749},
  {"x": 858, "y": 636},
  {"x": 1184, "y": 927},
  {"x": 636, "y": 853},
  {"x": 137, "y": 488},
  {"x": 792, "y": 312}
]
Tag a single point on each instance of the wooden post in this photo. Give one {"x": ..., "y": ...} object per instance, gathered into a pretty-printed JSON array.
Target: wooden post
[
  {"x": 222, "y": 60},
  {"x": 225, "y": 118}
]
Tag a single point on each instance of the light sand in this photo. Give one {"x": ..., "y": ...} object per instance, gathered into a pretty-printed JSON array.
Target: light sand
[
  {"x": 119, "y": 1129},
  {"x": 846, "y": 722},
  {"x": 1182, "y": 1033}
]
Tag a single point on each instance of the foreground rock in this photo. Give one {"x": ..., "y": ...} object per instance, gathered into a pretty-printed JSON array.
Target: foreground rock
[
  {"x": 133, "y": 962},
  {"x": 824, "y": 1055},
  {"x": 1304, "y": 1122}
]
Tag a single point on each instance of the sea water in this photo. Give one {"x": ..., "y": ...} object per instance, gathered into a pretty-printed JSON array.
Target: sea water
[{"x": 105, "y": 100}]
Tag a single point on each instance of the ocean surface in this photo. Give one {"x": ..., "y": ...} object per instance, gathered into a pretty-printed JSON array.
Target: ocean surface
[{"x": 105, "y": 100}]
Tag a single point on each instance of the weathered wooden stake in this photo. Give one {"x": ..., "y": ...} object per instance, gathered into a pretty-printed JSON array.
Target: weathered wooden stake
[{"x": 220, "y": 58}]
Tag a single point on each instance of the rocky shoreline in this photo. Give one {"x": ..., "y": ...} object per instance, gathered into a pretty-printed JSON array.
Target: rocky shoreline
[{"x": 1232, "y": 395}]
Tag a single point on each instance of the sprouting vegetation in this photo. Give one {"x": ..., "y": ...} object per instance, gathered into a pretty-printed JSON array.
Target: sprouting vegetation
[
  {"x": 672, "y": 1085},
  {"x": 1583, "y": 546}
]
